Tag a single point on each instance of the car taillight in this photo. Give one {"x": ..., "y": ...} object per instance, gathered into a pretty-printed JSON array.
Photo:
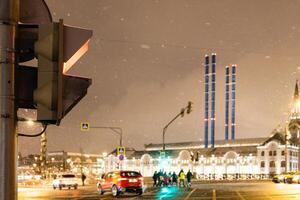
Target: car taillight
[{"x": 122, "y": 179}]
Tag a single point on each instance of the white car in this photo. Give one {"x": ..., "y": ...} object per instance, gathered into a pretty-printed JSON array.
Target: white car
[
  {"x": 296, "y": 178},
  {"x": 65, "y": 180}
]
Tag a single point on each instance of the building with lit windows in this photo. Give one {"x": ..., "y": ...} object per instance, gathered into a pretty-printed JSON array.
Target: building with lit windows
[
  {"x": 61, "y": 161},
  {"x": 239, "y": 158}
]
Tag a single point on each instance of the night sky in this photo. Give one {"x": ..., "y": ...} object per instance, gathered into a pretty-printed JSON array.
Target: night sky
[{"x": 146, "y": 61}]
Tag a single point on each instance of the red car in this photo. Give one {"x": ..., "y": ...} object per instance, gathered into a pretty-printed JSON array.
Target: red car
[{"x": 120, "y": 182}]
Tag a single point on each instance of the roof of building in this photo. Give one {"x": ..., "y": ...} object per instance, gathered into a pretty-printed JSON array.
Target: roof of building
[
  {"x": 218, "y": 152},
  {"x": 243, "y": 147},
  {"x": 200, "y": 145}
]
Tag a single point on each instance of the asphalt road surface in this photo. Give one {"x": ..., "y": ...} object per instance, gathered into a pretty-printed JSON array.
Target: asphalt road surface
[{"x": 226, "y": 191}]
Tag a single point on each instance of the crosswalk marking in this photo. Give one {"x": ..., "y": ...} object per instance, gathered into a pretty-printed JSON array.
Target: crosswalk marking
[
  {"x": 214, "y": 196},
  {"x": 188, "y": 196},
  {"x": 241, "y": 197}
]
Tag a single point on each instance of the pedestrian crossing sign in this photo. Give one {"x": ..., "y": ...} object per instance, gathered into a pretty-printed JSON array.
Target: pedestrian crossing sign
[
  {"x": 84, "y": 126},
  {"x": 120, "y": 151}
]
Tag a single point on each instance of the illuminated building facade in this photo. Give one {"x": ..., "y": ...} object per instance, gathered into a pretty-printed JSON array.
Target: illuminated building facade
[
  {"x": 229, "y": 159},
  {"x": 241, "y": 158}
]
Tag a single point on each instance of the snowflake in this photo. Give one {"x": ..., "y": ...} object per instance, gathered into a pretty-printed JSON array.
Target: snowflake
[{"x": 145, "y": 46}]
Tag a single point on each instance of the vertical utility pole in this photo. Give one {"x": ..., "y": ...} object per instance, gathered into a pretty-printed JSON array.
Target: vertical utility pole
[{"x": 9, "y": 11}]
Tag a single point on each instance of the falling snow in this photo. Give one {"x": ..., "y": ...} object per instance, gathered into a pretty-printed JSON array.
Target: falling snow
[{"x": 132, "y": 69}]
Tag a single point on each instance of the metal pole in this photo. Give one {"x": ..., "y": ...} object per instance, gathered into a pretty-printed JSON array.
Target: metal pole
[
  {"x": 165, "y": 128},
  {"x": 9, "y": 11},
  {"x": 164, "y": 132}
]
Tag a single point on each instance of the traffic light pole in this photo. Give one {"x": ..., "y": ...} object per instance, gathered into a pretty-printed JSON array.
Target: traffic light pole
[
  {"x": 165, "y": 128},
  {"x": 181, "y": 113},
  {"x": 9, "y": 18}
]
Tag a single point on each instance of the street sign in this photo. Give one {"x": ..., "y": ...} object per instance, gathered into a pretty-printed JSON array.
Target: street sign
[
  {"x": 121, "y": 157},
  {"x": 121, "y": 152},
  {"x": 84, "y": 126}
]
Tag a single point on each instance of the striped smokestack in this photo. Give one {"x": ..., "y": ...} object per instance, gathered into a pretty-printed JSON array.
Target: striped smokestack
[
  {"x": 213, "y": 100},
  {"x": 233, "y": 83},
  {"x": 206, "y": 100},
  {"x": 227, "y": 77}
]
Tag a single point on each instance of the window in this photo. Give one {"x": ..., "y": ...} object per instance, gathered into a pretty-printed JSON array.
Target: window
[
  {"x": 130, "y": 174},
  {"x": 272, "y": 163},
  {"x": 263, "y": 153},
  {"x": 274, "y": 153},
  {"x": 282, "y": 164},
  {"x": 270, "y": 153},
  {"x": 262, "y": 164},
  {"x": 68, "y": 176},
  {"x": 282, "y": 153}
]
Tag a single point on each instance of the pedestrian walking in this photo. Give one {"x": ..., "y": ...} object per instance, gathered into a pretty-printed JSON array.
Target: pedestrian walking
[
  {"x": 170, "y": 178},
  {"x": 83, "y": 177},
  {"x": 166, "y": 179},
  {"x": 174, "y": 178},
  {"x": 181, "y": 178},
  {"x": 155, "y": 179},
  {"x": 189, "y": 177},
  {"x": 160, "y": 178}
]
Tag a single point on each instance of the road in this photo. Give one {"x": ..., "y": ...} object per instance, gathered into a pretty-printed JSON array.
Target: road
[{"x": 226, "y": 191}]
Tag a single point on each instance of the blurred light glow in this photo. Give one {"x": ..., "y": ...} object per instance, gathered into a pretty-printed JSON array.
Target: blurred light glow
[{"x": 30, "y": 122}]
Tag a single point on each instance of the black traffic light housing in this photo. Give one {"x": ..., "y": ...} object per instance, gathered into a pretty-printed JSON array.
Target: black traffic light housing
[
  {"x": 48, "y": 87},
  {"x": 189, "y": 107}
]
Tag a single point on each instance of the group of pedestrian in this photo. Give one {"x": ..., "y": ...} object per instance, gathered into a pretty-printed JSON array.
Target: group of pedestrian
[{"x": 161, "y": 179}]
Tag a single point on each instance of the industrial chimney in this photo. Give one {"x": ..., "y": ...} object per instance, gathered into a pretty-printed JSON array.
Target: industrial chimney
[{"x": 206, "y": 100}]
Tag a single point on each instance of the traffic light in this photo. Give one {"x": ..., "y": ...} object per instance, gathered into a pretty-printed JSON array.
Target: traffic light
[
  {"x": 48, "y": 87},
  {"x": 189, "y": 107}
]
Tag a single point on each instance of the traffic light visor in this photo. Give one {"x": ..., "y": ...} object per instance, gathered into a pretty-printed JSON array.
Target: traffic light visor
[{"x": 76, "y": 42}]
